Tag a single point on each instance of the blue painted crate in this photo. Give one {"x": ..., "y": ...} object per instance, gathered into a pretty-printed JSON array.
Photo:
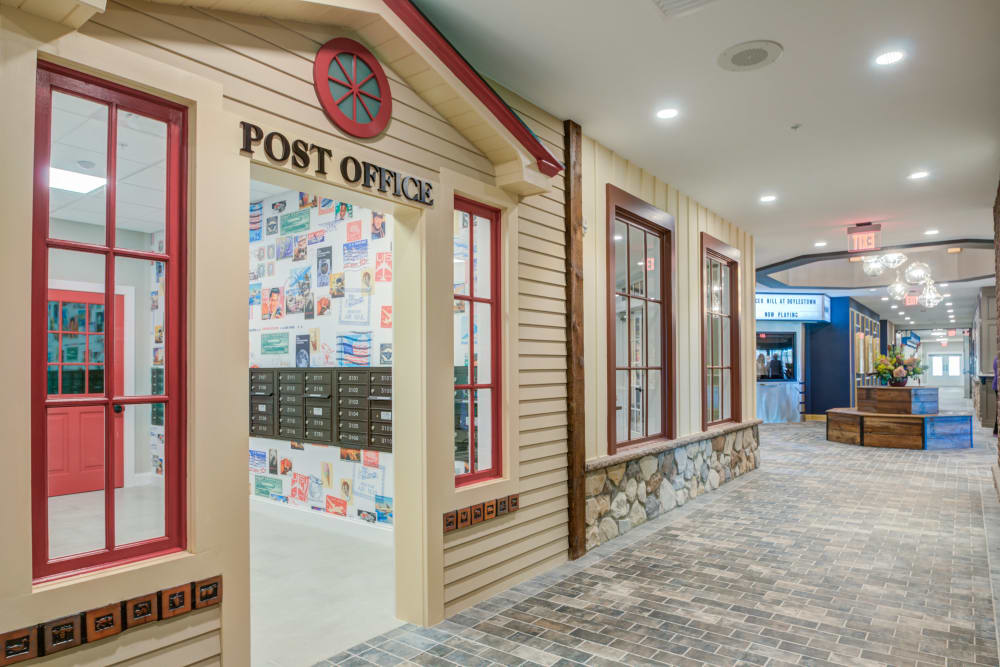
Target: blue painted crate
[{"x": 948, "y": 432}]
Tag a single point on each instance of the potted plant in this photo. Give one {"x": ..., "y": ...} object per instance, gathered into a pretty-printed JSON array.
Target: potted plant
[{"x": 895, "y": 369}]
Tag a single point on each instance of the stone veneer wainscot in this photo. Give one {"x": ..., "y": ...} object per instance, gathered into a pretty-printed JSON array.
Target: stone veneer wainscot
[{"x": 629, "y": 488}]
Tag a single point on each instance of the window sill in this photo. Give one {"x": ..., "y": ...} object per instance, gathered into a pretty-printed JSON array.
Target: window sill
[
  {"x": 111, "y": 569},
  {"x": 657, "y": 446}
]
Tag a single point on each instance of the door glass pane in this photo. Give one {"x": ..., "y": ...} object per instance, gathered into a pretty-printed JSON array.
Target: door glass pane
[
  {"x": 78, "y": 169},
  {"x": 74, "y": 379},
  {"x": 637, "y": 330},
  {"x": 653, "y": 266},
  {"x": 52, "y": 352},
  {"x": 621, "y": 256},
  {"x": 74, "y": 317},
  {"x": 74, "y": 348},
  {"x": 621, "y": 405},
  {"x": 95, "y": 379},
  {"x": 142, "y": 346},
  {"x": 460, "y": 252},
  {"x": 139, "y": 505},
  {"x": 95, "y": 322},
  {"x": 483, "y": 424},
  {"x": 654, "y": 328},
  {"x": 621, "y": 331},
  {"x": 460, "y": 331},
  {"x": 954, "y": 366},
  {"x": 655, "y": 404},
  {"x": 75, "y": 479},
  {"x": 95, "y": 349},
  {"x": 53, "y": 316},
  {"x": 637, "y": 411},
  {"x": 637, "y": 265},
  {"x": 482, "y": 258},
  {"x": 140, "y": 182},
  {"x": 484, "y": 344},
  {"x": 724, "y": 289},
  {"x": 937, "y": 365},
  {"x": 52, "y": 380},
  {"x": 461, "y": 431}
]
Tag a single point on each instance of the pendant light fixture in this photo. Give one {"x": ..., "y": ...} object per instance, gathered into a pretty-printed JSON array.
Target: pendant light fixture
[
  {"x": 930, "y": 297},
  {"x": 917, "y": 273},
  {"x": 898, "y": 289},
  {"x": 893, "y": 260},
  {"x": 873, "y": 265}
]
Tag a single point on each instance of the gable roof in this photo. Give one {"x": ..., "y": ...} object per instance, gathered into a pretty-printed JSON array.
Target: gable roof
[{"x": 416, "y": 21}]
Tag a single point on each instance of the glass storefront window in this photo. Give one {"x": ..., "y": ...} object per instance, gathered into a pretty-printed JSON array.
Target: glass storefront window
[{"x": 776, "y": 356}]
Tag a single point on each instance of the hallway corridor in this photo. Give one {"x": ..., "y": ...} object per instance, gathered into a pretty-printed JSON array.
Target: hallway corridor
[{"x": 828, "y": 554}]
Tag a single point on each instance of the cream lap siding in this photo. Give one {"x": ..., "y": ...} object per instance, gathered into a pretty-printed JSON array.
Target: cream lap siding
[
  {"x": 265, "y": 68},
  {"x": 486, "y": 559},
  {"x": 601, "y": 166}
]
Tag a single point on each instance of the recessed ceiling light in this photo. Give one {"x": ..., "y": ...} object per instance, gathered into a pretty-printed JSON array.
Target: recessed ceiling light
[
  {"x": 767, "y": 199},
  {"x": 950, "y": 310},
  {"x": 917, "y": 175},
  {"x": 902, "y": 313},
  {"x": 931, "y": 232},
  {"x": 948, "y": 304},
  {"x": 818, "y": 244},
  {"x": 871, "y": 289},
  {"x": 946, "y": 295},
  {"x": 667, "y": 113},
  {"x": 893, "y": 306},
  {"x": 885, "y": 298},
  {"x": 618, "y": 237},
  {"x": 74, "y": 181},
  {"x": 889, "y": 57}
]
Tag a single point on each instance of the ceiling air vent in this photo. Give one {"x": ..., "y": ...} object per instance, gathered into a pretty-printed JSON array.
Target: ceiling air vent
[
  {"x": 750, "y": 55},
  {"x": 677, "y": 8}
]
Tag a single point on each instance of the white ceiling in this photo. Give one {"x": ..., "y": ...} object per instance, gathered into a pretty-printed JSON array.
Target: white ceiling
[
  {"x": 80, "y": 134},
  {"x": 611, "y": 65}
]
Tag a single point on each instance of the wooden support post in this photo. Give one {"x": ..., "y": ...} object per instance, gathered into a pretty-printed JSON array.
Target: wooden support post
[
  {"x": 996, "y": 272},
  {"x": 576, "y": 454}
]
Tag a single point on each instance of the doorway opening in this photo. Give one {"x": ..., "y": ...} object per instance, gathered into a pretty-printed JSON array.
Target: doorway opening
[{"x": 320, "y": 444}]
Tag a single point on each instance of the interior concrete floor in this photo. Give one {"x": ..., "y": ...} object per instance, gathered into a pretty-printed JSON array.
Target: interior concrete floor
[
  {"x": 318, "y": 584},
  {"x": 828, "y": 554}
]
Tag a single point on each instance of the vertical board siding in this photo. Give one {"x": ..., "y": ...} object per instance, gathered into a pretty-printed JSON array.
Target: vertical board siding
[
  {"x": 485, "y": 559},
  {"x": 601, "y": 166}
]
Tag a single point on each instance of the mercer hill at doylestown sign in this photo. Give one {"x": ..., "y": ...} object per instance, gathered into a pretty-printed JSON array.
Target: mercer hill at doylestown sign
[{"x": 304, "y": 155}]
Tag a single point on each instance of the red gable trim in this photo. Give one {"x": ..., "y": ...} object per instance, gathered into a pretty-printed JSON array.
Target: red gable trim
[{"x": 548, "y": 164}]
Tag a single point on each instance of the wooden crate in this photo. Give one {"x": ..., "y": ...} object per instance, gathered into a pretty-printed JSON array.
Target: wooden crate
[
  {"x": 843, "y": 427},
  {"x": 948, "y": 432},
  {"x": 898, "y": 400}
]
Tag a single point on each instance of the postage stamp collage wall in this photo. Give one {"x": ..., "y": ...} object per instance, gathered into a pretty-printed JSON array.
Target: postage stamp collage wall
[{"x": 320, "y": 296}]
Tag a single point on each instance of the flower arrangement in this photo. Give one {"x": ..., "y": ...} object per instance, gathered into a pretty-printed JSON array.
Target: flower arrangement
[{"x": 894, "y": 369}]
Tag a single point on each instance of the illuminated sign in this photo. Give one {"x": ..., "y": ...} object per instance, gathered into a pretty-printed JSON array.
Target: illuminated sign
[
  {"x": 864, "y": 238},
  {"x": 951, "y": 332},
  {"x": 910, "y": 300},
  {"x": 793, "y": 307}
]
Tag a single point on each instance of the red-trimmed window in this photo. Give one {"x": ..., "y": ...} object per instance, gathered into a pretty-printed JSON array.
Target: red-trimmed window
[
  {"x": 107, "y": 323},
  {"x": 476, "y": 244},
  {"x": 720, "y": 331}
]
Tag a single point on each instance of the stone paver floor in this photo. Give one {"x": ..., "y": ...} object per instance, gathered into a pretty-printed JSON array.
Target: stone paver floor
[{"x": 828, "y": 554}]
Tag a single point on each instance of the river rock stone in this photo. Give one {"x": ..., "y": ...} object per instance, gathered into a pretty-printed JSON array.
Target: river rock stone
[
  {"x": 631, "y": 487},
  {"x": 619, "y": 506},
  {"x": 713, "y": 480},
  {"x": 616, "y": 473},
  {"x": 592, "y": 512},
  {"x": 647, "y": 467},
  {"x": 637, "y": 515},
  {"x": 608, "y": 528},
  {"x": 593, "y": 537},
  {"x": 640, "y": 493},
  {"x": 652, "y": 506},
  {"x": 594, "y": 483}
]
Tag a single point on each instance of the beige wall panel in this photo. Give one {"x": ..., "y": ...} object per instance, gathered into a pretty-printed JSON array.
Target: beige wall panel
[
  {"x": 600, "y": 167},
  {"x": 551, "y": 515},
  {"x": 504, "y": 582},
  {"x": 531, "y": 377},
  {"x": 506, "y": 567},
  {"x": 532, "y": 229}
]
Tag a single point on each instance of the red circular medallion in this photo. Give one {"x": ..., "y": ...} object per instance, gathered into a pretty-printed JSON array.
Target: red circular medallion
[{"x": 352, "y": 88}]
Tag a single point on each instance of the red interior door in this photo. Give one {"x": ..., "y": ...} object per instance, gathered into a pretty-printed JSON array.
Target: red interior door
[{"x": 76, "y": 363}]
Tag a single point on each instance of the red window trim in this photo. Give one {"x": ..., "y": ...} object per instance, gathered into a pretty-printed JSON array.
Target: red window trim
[
  {"x": 49, "y": 77},
  {"x": 495, "y": 385},
  {"x": 620, "y": 203},
  {"x": 321, "y": 82},
  {"x": 721, "y": 251}
]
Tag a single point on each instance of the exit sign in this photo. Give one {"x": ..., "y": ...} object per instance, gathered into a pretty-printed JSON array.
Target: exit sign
[
  {"x": 951, "y": 332},
  {"x": 864, "y": 238},
  {"x": 910, "y": 300}
]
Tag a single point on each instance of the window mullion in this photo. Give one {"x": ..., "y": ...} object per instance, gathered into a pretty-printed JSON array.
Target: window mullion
[{"x": 110, "y": 317}]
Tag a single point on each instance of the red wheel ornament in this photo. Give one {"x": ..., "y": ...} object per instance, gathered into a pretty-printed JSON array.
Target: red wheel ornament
[{"x": 352, "y": 88}]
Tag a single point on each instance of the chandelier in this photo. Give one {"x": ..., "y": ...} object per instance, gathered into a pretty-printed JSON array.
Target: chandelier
[
  {"x": 898, "y": 289},
  {"x": 873, "y": 265},
  {"x": 893, "y": 260},
  {"x": 930, "y": 297},
  {"x": 917, "y": 273}
]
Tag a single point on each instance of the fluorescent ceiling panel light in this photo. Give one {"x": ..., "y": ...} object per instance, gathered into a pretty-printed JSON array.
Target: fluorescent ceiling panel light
[
  {"x": 667, "y": 113},
  {"x": 768, "y": 199},
  {"x": 931, "y": 232},
  {"x": 917, "y": 175},
  {"x": 818, "y": 244},
  {"x": 74, "y": 181}
]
